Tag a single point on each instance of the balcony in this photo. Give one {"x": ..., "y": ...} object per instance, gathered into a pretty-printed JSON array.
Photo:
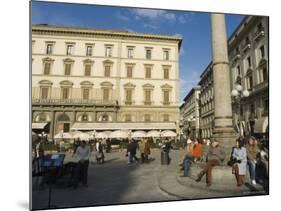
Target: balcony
[
  {"x": 259, "y": 33},
  {"x": 246, "y": 47},
  {"x": 259, "y": 87},
  {"x": 236, "y": 56},
  {"x": 59, "y": 102}
]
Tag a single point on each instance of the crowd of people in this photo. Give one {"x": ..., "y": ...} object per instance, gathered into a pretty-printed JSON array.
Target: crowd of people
[{"x": 247, "y": 153}]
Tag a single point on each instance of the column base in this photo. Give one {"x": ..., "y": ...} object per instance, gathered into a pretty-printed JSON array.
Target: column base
[{"x": 226, "y": 137}]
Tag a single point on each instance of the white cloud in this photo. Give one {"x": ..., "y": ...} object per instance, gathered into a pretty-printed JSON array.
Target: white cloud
[
  {"x": 182, "y": 19},
  {"x": 148, "y": 13},
  {"x": 122, "y": 17},
  {"x": 188, "y": 80},
  {"x": 154, "y": 15}
]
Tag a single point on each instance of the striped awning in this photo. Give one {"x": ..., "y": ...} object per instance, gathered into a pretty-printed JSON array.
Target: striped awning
[{"x": 124, "y": 126}]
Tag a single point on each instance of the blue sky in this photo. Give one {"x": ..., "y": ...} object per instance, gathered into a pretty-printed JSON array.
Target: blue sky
[{"x": 194, "y": 27}]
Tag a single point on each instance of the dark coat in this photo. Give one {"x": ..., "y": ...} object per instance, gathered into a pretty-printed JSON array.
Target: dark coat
[{"x": 132, "y": 148}]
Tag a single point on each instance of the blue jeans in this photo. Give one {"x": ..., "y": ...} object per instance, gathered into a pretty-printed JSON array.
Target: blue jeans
[{"x": 252, "y": 169}]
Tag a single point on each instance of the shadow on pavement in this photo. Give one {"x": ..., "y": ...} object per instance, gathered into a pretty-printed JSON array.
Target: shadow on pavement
[{"x": 106, "y": 184}]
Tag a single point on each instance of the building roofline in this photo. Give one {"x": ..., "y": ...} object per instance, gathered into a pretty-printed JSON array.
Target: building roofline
[
  {"x": 110, "y": 32},
  {"x": 191, "y": 92}
]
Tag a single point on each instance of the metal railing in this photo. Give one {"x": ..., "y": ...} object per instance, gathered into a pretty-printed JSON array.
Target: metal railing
[{"x": 38, "y": 101}]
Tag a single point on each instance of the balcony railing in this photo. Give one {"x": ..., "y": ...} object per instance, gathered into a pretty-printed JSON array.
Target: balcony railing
[
  {"x": 259, "y": 33},
  {"x": 36, "y": 101},
  {"x": 246, "y": 47},
  {"x": 261, "y": 86}
]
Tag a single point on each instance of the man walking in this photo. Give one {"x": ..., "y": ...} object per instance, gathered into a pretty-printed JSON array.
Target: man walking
[
  {"x": 82, "y": 155},
  {"x": 132, "y": 151}
]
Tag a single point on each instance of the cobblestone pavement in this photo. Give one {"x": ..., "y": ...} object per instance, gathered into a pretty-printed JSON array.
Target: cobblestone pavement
[{"x": 116, "y": 182}]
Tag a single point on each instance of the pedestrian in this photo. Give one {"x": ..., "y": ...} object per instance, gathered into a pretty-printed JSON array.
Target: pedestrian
[
  {"x": 142, "y": 149},
  {"x": 239, "y": 160},
  {"x": 132, "y": 151},
  {"x": 252, "y": 152},
  {"x": 166, "y": 147},
  {"x": 82, "y": 155},
  {"x": 188, "y": 157},
  {"x": 215, "y": 157},
  {"x": 99, "y": 152}
]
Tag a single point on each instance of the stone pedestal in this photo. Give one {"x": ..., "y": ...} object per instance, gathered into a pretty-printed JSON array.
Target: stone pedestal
[{"x": 223, "y": 128}]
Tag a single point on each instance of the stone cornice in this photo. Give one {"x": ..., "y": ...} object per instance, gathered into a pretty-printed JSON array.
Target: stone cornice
[{"x": 72, "y": 31}]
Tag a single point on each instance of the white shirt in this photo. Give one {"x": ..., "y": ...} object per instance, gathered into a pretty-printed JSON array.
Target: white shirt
[{"x": 83, "y": 153}]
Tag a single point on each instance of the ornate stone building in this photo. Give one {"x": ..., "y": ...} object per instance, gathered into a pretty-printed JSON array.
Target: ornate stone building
[
  {"x": 248, "y": 55},
  {"x": 190, "y": 113},
  {"x": 207, "y": 104},
  {"x": 84, "y": 78}
]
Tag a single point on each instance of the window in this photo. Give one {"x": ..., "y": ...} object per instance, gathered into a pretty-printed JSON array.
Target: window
[
  {"x": 260, "y": 27},
  {"x": 129, "y": 93},
  {"x": 107, "y": 70},
  {"x": 128, "y": 118},
  {"x": 265, "y": 107},
  {"x": 166, "y": 97},
  {"x": 264, "y": 74},
  {"x": 249, "y": 63},
  {"x": 67, "y": 69},
  {"x": 129, "y": 72},
  {"x": 247, "y": 41},
  {"x": 252, "y": 109},
  {"x": 42, "y": 117},
  {"x": 84, "y": 117},
  {"x": 148, "y": 54},
  {"x": 108, "y": 51},
  {"x": 44, "y": 92},
  {"x": 166, "y": 118},
  {"x": 166, "y": 73},
  {"x": 65, "y": 93},
  {"x": 47, "y": 68},
  {"x": 130, "y": 53},
  {"x": 89, "y": 50},
  {"x": 250, "y": 82},
  {"x": 88, "y": 68},
  {"x": 105, "y": 94},
  {"x": 166, "y": 55},
  {"x": 69, "y": 49},
  {"x": 148, "y": 72},
  {"x": 49, "y": 49},
  {"x": 147, "y": 118},
  {"x": 86, "y": 93},
  {"x": 147, "y": 100},
  {"x": 262, "y": 52},
  {"x": 238, "y": 70}
]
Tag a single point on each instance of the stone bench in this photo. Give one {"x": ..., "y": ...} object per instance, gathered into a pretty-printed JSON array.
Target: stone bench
[{"x": 222, "y": 180}]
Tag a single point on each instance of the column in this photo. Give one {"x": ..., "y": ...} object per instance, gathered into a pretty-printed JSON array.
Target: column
[
  {"x": 223, "y": 128},
  {"x": 52, "y": 125}
]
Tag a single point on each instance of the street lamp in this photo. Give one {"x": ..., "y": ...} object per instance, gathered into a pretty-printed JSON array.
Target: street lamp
[
  {"x": 189, "y": 120},
  {"x": 238, "y": 94}
]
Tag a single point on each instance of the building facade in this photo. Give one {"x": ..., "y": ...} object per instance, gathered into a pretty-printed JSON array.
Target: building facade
[
  {"x": 190, "y": 113},
  {"x": 207, "y": 104},
  {"x": 86, "y": 76},
  {"x": 248, "y": 56}
]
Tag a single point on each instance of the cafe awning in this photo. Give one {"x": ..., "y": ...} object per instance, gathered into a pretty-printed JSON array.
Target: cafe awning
[
  {"x": 100, "y": 126},
  {"x": 261, "y": 125},
  {"x": 39, "y": 125}
]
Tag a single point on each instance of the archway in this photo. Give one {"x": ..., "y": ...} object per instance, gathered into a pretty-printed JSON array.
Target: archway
[{"x": 63, "y": 123}]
